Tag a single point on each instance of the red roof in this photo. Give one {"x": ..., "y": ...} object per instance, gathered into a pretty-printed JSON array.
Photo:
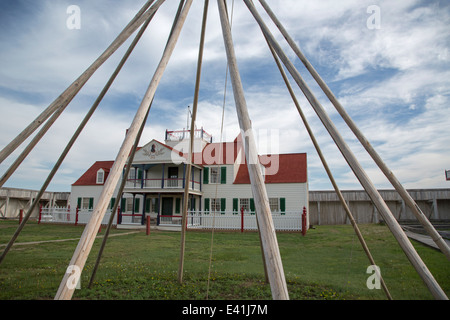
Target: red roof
[
  {"x": 89, "y": 178},
  {"x": 282, "y": 168}
]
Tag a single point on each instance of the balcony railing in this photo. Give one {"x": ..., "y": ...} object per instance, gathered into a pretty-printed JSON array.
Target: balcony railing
[{"x": 177, "y": 183}]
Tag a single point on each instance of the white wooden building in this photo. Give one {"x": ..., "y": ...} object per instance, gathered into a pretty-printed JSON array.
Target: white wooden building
[{"x": 219, "y": 181}]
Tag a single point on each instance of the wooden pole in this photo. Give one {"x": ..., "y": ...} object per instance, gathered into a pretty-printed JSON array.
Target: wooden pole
[
  {"x": 64, "y": 99},
  {"x": 373, "y": 193},
  {"x": 81, "y": 253},
  {"x": 73, "y": 139},
  {"x": 191, "y": 143},
  {"x": 327, "y": 169},
  {"x": 270, "y": 244},
  {"x": 437, "y": 238}
]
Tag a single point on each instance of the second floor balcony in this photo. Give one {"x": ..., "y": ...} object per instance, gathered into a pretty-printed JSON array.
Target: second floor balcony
[{"x": 167, "y": 176}]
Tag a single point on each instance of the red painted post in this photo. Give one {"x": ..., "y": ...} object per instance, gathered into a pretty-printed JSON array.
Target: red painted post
[
  {"x": 76, "y": 216},
  {"x": 40, "y": 214},
  {"x": 20, "y": 216},
  {"x": 242, "y": 219},
  {"x": 304, "y": 221},
  {"x": 148, "y": 225}
]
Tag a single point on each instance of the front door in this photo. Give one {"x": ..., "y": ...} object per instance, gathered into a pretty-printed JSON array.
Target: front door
[{"x": 167, "y": 210}]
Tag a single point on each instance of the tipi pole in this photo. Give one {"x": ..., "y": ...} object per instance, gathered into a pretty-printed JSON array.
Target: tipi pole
[
  {"x": 64, "y": 99},
  {"x": 72, "y": 140},
  {"x": 81, "y": 253},
  {"x": 327, "y": 169},
  {"x": 437, "y": 238},
  {"x": 367, "y": 184},
  {"x": 270, "y": 244},
  {"x": 116, "y": 204},
  {"x": 191, "y": 143}
]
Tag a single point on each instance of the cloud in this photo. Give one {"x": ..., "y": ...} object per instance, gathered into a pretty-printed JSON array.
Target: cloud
[{"x": 393, "y": 81}]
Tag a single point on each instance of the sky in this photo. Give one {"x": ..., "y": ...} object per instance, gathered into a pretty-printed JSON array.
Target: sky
[{"x": 387, "y": 62}]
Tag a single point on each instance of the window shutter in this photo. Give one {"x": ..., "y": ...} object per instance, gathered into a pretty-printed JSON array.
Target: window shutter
[
  {"x": 223, "y": 175},
  {"x": 91, "y": 203},
  {"x": 79, "y": 203},
  {"x": 283, "y": 205},
  {"x": 205, "y": 175},
  {"x": 223, "y": 202},
  {"x": 136, "y": 204},
  {"x": 252, "y": 206},
  {"x": 113, "y": 201},
  {"x": 206, "y": 205},
  {"x": 177, "y": 205},
  {"x": 139, "y": 171},
  {"x": 123, "y": 205},
  {"x": 235, "y": 206}
]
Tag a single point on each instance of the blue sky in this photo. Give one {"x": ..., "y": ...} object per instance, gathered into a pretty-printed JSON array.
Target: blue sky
[{"x": 393, "y": 81}]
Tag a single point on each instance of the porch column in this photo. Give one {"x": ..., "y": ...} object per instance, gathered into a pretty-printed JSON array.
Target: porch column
[
  {"x": 158, "y": 218},
  {"x": 184, "y": 175},
  {"x": 143, "y": 209},
  {"x": 162, "y": 179}
]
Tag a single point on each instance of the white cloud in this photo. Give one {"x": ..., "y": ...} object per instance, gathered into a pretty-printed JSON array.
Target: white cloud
[{"x": 393, "y": 81}]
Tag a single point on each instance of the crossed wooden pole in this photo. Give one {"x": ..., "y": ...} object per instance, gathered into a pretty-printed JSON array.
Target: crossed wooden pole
[{"x": 270, "y": 249}]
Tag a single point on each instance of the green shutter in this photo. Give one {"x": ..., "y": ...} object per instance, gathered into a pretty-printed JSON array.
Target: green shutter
[
  {"x": 79, "y": 203},
  {"x": 113, "y": 201},
  {"x": 136, "y": 204},
  {"x": 223, "y": 175},
  {"x": 139, "y": 173},
  {"x": 283, "y": 205},
  {"x": 235, "y": 206},
  {"x": 223, "y": 202},
  {"x": 123, "y": 205},
  {"x": 91, "y": 203},
  {"x": 177, "y": 205},
  {"x": 205, "y": 175},
  {"x": 148, "y": 202},
  {"x": 207, "y": 205},
  {"x": 252, "y": 206}
]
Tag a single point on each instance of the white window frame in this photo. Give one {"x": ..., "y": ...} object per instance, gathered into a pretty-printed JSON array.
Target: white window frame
[
  {"x": 274, "y": 204},
  {"x": 100, "y": 176},
  {"x": 214, "y": 172},
  {"x": 244, "y": 202},
  {"x": 215, "y": 204}
]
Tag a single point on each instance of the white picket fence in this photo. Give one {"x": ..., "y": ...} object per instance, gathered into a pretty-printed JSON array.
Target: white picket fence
[
  {"x": 287, "y": 221},
  {"x": 198, "y": 220}
]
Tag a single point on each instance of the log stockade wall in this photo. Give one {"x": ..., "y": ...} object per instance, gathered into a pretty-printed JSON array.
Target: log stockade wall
[
  {"x": 12, "y": 200},
  {"x": 326, "y": 209}
]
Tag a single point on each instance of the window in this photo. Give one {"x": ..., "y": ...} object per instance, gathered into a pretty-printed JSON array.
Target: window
[
  {"x": 85, "y": 203},
  {"x": 100, "y": 176},
  {"x": 215, "y": 175},
  {"x": 274, "y": 207},
  {"x": 215, "y": 205},
  {"x": 245, "y": 203},
  {"x": 129, "y": 205}
]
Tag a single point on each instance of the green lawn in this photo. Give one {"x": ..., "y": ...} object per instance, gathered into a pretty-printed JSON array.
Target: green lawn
[{"x": 328, "y": 263}]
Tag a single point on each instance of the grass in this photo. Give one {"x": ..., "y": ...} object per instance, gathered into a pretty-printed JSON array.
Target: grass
[{"x": 327, "y": 264}]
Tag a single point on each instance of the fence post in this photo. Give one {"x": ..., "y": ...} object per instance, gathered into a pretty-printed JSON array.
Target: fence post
[
  {"x": 40, "y": 214},
  {"x": 76, "y": 216},
  {"x": 304, "y": 221},
  {"x": 148, "y": 225},
  {"x": 20, "y": 216},
  {"x": 242, "y": 219}
]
